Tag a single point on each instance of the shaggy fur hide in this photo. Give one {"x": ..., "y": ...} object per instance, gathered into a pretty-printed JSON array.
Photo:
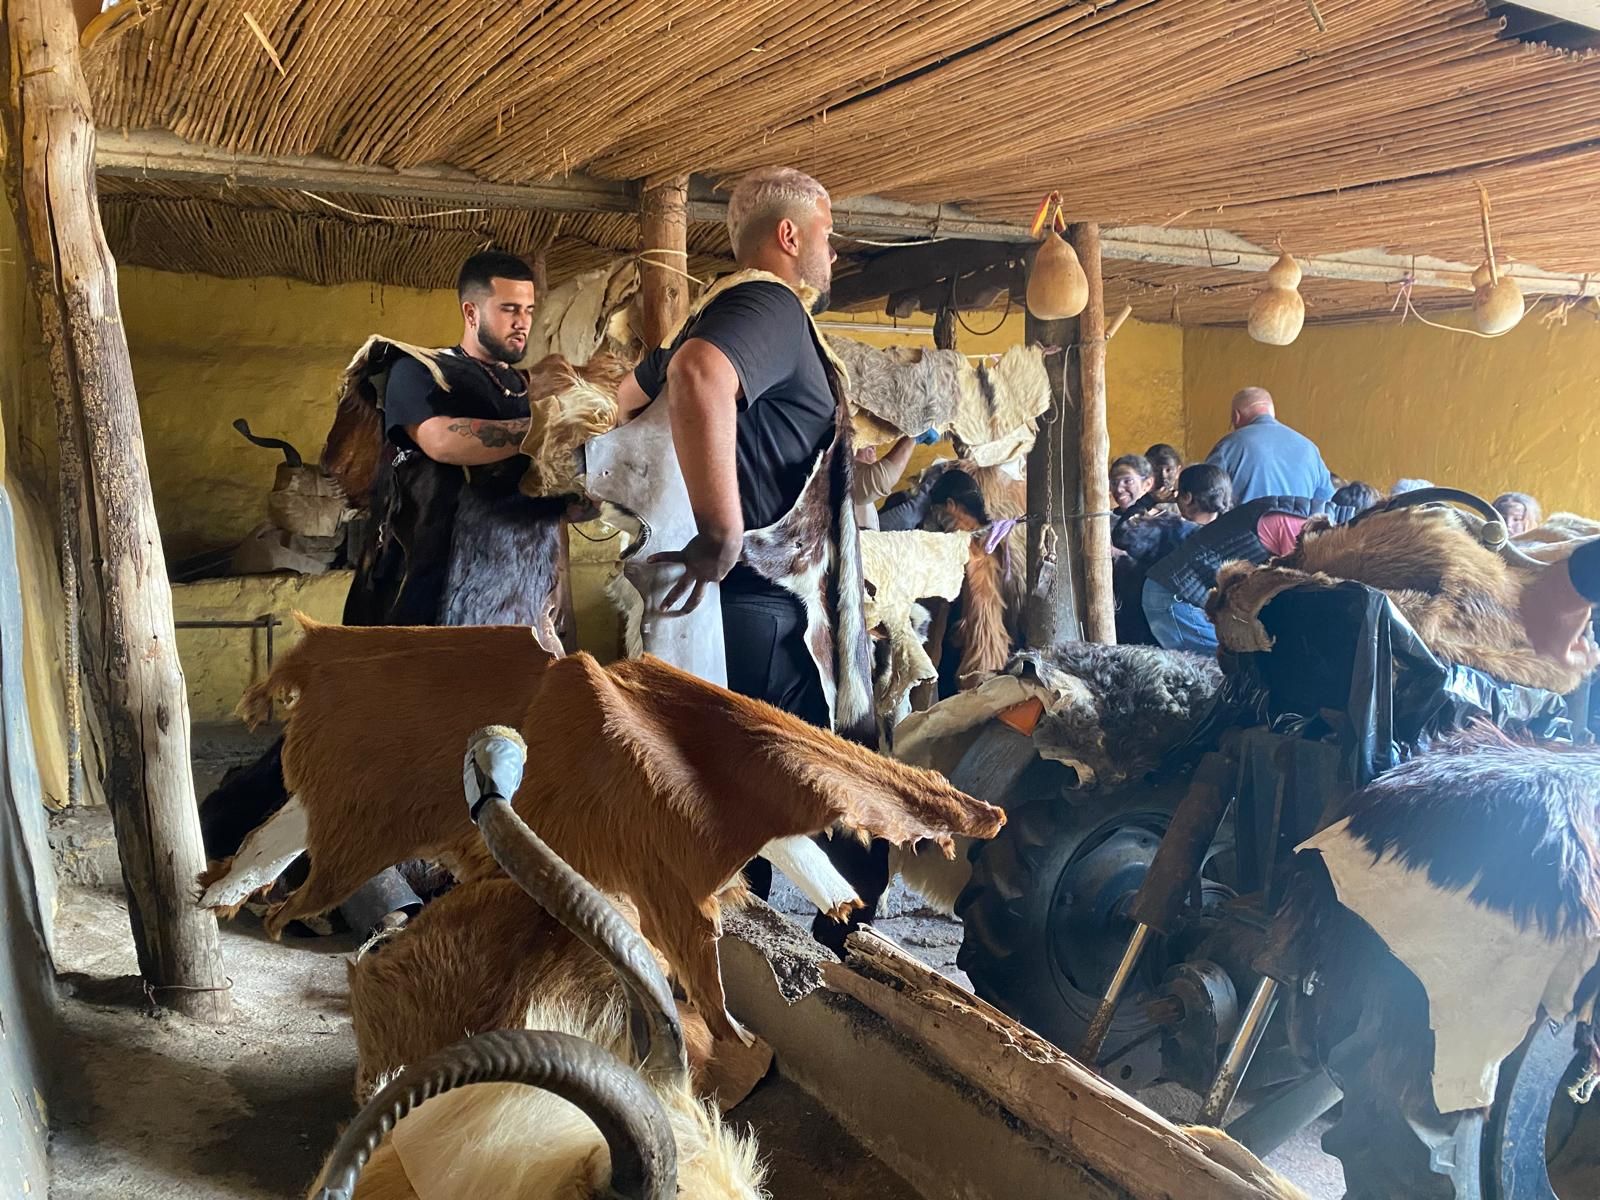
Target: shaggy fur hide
[
  {"x": 512, "y": 1142},
  {"x": 567, "y": 406},
  {"x": 1516, "y": 824},
  {"x": 1460, "y": 597},
  {"x": 981, "y": 634},
  {"x": 650, "y": 782},
  {"x": 1119, "y": 708},
  {"x": 906, "y": 390},
  {"x": 504, "y": 564},
  {"x": 472, "y": 962}
]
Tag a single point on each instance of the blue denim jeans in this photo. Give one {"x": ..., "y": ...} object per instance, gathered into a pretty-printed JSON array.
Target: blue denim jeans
[{"x": 1176, "y": 624}]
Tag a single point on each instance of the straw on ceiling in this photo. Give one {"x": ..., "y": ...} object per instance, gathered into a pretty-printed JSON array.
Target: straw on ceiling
[{"x": 1235, "y": 114}]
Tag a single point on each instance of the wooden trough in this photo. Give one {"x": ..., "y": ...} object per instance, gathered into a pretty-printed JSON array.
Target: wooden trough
[{"x": 952, "y": 1095}]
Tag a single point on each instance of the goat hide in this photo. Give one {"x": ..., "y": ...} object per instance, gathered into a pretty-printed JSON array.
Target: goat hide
[
  {"x": 902, "y": 391},
  {"x": 473, "y": 961},
  {"x": 567, "y": 406},
  {"x": 901, "y": 569},
  {"x": 1117, "y": 709},
  {"x": 1461, "y": 597},
  {"x": 513, "y": 1142},
  {"x": 585, "y": 316},
  {"x": 650, "y": 782},
  {"x": 1479, "y": 861}
]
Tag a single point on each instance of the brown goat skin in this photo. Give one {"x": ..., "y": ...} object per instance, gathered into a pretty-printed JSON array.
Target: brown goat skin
[
  {"x": 649, "y": 782},
  {"x": 472, "y": 961}
]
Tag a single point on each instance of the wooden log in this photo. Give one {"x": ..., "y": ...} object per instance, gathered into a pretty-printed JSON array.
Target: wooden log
[
  {"x": 1051, "y": 613},
  {"x": 918, "y": 267},
  {"x": 133, "y": 661},
  {"x": 1111, "y": 1134},
  {"x": 664, "y": 234},
  {"x": 1094, "y": 445}
]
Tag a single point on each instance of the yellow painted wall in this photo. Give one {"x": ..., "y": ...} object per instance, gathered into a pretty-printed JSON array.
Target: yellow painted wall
[
  {"x": 206, "y": 351},
  {"x": 25, "y": 412},
  {"x": 219, "y": 664},
  {"x": 1384, "y": 401}
]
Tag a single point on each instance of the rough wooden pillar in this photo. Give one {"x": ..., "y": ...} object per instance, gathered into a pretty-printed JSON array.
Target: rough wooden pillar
[
  {"x": 1094, "y": 445},
  {"x": 664, "y": 234},
  {"x": 1051, "y": 616},
  {"x": 132, "y": 661}
]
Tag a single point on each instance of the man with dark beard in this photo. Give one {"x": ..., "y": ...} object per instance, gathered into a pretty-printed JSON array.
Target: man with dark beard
[
  {"x": 445, "y": 499},
  {"x": 753, "y": 404},
  {"x": 451, "y": 540}
]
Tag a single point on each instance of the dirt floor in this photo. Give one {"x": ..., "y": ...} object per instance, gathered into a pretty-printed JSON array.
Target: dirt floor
[{"x": 163, "y": 1108}]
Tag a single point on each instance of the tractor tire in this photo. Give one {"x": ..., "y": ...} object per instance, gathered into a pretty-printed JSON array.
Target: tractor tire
[{"x": 1043, "y": 923}]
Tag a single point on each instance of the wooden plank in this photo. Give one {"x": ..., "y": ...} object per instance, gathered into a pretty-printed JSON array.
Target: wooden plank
[
  {"x": 134, "y": 669},
  {"x": 1094, "y": 445},
  {"x": 1107, "y": 1130},
  {"x": 917, "y": 267},
  {"x": 664, "y": 256}
]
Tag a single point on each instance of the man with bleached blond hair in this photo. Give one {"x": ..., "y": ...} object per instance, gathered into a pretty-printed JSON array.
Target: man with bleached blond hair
[{"x": 756, "y": 403}]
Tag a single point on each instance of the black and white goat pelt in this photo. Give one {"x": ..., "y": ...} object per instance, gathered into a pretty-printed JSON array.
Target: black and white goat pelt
[{"x": 1516, "y": 825}]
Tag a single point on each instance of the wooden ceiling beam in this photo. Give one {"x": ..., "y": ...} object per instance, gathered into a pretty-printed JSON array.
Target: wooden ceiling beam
[{"x": 967, "y": 243}]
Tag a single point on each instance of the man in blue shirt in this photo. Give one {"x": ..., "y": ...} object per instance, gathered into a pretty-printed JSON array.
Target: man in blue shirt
[{"x": 1264, "y": 458}]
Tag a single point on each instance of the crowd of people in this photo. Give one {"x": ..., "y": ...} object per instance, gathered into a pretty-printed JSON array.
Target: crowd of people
[{"x": 1173, "y": 526}]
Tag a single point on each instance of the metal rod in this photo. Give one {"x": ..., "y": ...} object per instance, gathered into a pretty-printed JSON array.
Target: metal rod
[
  {"x": 1273, "y": 1122},
  {"x": 1095, "y": 1038},
  {"x": 1240, "y": 1051}
]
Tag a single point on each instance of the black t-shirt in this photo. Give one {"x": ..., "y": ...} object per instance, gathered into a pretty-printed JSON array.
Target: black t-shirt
[
  {"x": 477, "y": 389},
  {"x": 786, "y": 408}
]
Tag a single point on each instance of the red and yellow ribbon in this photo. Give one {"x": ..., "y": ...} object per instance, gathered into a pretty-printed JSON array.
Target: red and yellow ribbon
[{"x": 1059, "y": 223}]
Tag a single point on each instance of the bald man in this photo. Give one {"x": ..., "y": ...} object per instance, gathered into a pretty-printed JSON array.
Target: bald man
[{"x": 1266, "y": 458}]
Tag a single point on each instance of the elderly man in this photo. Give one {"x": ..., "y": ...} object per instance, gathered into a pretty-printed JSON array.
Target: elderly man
[
  {"x": 753, "y": 405},
  {"x": 1266, "y": 458}
]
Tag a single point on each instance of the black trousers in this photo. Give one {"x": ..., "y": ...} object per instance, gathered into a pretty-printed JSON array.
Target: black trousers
[{"x": 764, "y": 631}]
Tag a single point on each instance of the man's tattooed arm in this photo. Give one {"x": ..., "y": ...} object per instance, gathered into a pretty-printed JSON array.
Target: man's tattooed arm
[
  {"x": 468, "y": 441},
  {"x": 494, "y": 434}
]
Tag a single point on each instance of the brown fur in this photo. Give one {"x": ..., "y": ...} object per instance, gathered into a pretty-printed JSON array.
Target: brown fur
[
  {"x": 648, "y": 781},
  {"x": 473, "y": 961},
  {"x": 1460, "y": 597},
  {"x": 981, "y": 633}
]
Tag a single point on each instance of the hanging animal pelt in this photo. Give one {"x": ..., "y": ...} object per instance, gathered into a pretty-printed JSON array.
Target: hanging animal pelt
[
  {"x": 1119, "y": 708},
  {"x": 1478, "y": 861},
  {"x": 1461, "y": 597},
  {"x": 900, "y": 390}
]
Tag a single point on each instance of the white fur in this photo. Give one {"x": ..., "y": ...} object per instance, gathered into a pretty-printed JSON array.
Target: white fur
[
  {"x": 265, "y": 855},
  {"x": 808, "y": 868},
  {"x": 931, "y": 875}
]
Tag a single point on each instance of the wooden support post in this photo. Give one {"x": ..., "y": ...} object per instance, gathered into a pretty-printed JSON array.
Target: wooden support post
[
  {"x": 133, "y": 662},
  {"x": 1051, "y": 615},
  {"x": 1094, "y": 445},
  {"x": 664, "y": 234}
]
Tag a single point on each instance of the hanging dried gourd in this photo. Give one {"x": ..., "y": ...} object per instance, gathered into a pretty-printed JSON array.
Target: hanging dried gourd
[
  {"x": 1057, "y": 286},
  {"x": 1497, "y": 303},
  {"x": 1279, "y": 312}
]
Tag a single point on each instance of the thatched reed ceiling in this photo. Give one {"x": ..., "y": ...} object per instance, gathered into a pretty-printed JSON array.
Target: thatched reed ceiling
[
  {"x": 238, "y": 233},
  {"x": 1235, "y": 114}
]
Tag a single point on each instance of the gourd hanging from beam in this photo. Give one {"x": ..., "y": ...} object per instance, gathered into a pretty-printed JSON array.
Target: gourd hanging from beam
[
  {"x": 1057, "y": 286},
  {"x": 1497, "y": 303},
  {"x": 1278, "y": 313}
]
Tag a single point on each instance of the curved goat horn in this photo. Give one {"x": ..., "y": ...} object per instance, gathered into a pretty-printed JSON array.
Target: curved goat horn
[
  {"x": 644, "y": 1157},
  {"x": 493, "y": 772},
  {"x": 1493, "y": 535}
]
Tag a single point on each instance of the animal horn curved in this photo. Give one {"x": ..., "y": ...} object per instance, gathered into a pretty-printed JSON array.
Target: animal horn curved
[
  {"x": 495, "y": 758},
  {"x": 1493, "y": 535},
  {"x": 644, "y": 1156}
]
